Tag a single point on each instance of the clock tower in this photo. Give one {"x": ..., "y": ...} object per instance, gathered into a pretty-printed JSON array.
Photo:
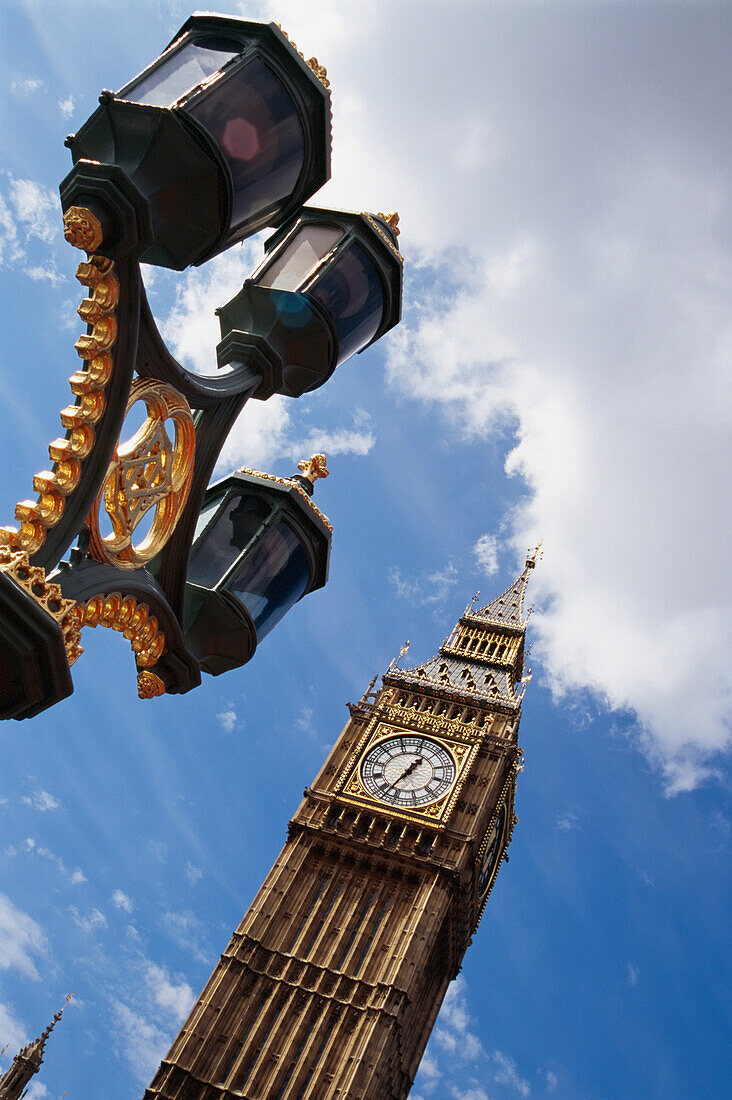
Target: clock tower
[{"x": 331, "y": 984}]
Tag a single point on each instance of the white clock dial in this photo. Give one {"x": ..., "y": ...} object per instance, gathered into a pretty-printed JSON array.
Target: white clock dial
[{"x": 407, "y": 771}]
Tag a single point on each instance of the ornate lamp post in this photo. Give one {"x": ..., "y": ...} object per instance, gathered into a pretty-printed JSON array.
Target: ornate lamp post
[{"x": 227, "y": 131}]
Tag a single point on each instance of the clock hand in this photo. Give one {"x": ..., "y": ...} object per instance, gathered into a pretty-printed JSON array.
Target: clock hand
[{"x": 408, "y": 771}]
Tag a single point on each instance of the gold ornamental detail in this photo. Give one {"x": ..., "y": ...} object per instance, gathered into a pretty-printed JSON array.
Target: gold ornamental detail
[
  {"x": 32, "y": 579},
  {"x": 88, "y": 385},
  {"x": 312, "y": 62},
  {"x": 384, "y": 236},
  {"x": 134, "y": 621},
  {"x": 314, "y": 467},
  {"x": 290, "y": 485},
  {"x": 82, "y": 229},
  {"x": 149, "y": 685},
  {"x": 392, "y": 220},
  {"x": 147, "y": 472}
]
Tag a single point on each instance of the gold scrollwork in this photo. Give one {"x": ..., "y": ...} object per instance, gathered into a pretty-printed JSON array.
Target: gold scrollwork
[
  {"x": 88, "y": 386},
  {"x": 32, "y": 578},
  {"x": 147, "y": 472},
  {"x": 133, "y": 620}
]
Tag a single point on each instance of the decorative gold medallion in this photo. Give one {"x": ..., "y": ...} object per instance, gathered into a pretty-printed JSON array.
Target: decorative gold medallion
[
  {"x": 147, "y": 472},
  {"x": 82, "y": 229},
  {"x": 149, "y": 685}
]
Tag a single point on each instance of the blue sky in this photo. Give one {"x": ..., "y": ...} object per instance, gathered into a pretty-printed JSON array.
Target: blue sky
[{"x": 561, "y": 172}]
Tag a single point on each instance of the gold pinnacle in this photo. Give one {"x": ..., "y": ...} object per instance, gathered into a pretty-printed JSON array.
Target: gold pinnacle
[
  {"x": 314, "y": 467},
  {"x": 392, "y": 220}
]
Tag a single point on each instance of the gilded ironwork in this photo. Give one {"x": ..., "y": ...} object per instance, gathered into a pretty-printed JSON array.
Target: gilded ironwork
[
  {"x": 312, "y": 62},
  {"x": 314, "y": 467},
  {"x": 133, "y": 620},
  {"x": 88, "y": 386},
  {"x": 82, "y": 229},
  {"x": 149, "y": 685},
  {"x": 32, "y": 579},
  {"x": 290, "y": 485},
  {"x": 147, "y": 472},
  {"x": 384, "y": 236},
  {"x": 392, "y": 220}
]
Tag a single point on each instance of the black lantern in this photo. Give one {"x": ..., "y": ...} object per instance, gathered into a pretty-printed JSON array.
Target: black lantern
[
  {"x": 260, "y": 545},
  {"x": 330, "y": 285},
  {"x": 226, "y": 132}
]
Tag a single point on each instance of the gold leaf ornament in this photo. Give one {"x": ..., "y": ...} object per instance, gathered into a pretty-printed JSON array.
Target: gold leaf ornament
[{"x": 149, "y": 471}]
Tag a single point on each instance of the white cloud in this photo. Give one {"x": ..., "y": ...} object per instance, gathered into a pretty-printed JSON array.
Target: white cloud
[
  {"x": 193, "y": 874},
  {"x": 452, "y": 1032},
  {"x": 551, "y": 1081},
  {"x": 25, "y": 86},
  {"x": 90, "y": 923},
  {"x": 10, "y": 248},
  {"x": 304, "y": 721},
  {"x": 66, "y": 106},
  {"x": 633, "y": 974},
  {"x": 428, "y": 588},
  {"x": 471, "y": 1093},
  {"x": 577, "y": 238},
  {"x": 41, "y": 800},
  {"x": 428, "y": 1069},
  {"x": 338, "y": 441},
  {"x": 21, "y": 939},
  {"x": 122, "y": 901},
  {"x": 188, "y": 933},
  {"x": 12, "y": 1033},
  {"x": 191, "y": 329},
  {"x": 174, "y": 999},
  {"x": 508, "y": 1074},
  {"x": 32, "y": 849},
  {"x": 227, "y": 719},
  {"x": 138, "y": 1039},
  {"x": 37, "y": 207},
  {"x": 36, "y": 1091},
  {"x": 567, "y": 821},
  {"x": 486, "y": 554}
]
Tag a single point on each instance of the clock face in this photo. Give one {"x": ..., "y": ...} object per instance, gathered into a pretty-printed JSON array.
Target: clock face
[
  {"x": 492, "y": 852},
  {"x": 408, "y": 771}
]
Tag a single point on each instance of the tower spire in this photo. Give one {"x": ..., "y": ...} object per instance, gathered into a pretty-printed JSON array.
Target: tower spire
[
  {"x": 508, "y": 608},
  {"x": 28, "y": 1061},
  {"x": 483, "y": 657}
]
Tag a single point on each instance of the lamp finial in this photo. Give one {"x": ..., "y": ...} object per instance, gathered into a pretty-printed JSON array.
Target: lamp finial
[
  {"x": 392, "y": 220},
  {"x": 314, "y": 467}
]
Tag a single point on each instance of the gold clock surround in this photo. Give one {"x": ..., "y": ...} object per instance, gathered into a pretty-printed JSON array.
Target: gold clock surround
[{"x": 352, "y": 791}]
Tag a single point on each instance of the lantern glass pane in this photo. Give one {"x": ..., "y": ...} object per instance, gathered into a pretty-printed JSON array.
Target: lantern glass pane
[
  {"x": 290, "y": 269},
  {"x": 272, "y": 577},
  {"x": 233, "y": 529},
  {"x": 257, "y": 127},
  {"x": 350, "y": 290},
  {"x": 181, "y": 70}
]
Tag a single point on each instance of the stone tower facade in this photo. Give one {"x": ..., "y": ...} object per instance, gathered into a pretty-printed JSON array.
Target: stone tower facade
[{"x": 332, "y": 982}]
